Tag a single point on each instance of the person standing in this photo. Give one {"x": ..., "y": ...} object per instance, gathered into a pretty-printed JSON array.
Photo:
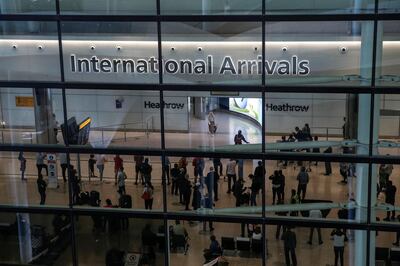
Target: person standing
[
  {"x": 181, "y": 185},
  {"x": 315, "y": 214},
  {"x": 390, "y": 192},
  {"x": 64, "y": 165},
  {"x": 118, "y": 163},
  {"x": 238, "y": 190},
  {"x": 121, "y": 181},
  {"x": 231, "y": 174},
  {"x": 41, "y": 184},
  {"x": 239, "y": 138},
  {"x": 187, "y": 192},
  {"x": 40, "y": 156},
  {"x": 338, "y": 245},
  {"x": 294, "y": 199},
  {"x": 91, "y": 164},
  {"x": 316, "y": 150},
  {"x": 183, "y": 164},
  {"x": 166, "y": 168},
  {"x": 146, "y": 170},
  {"x": 74, "y": 184},
  {"x": 259, "y": 171},
  {"x": 255, "y": 189},
  {"x": 174, "y": 177},
  {"x": 217, "y": 165},
  {"x": 147, "y": 195},
  {"x": 210, "y": 182},
  {"x": 280, "y": 227},
  {"x": 276, "y": 185},
  {"x": 289, "y": 243},
  {"x": 303, "y": 179},
  {"x": 328, "y": 166},
  {"x": 100, "y": 161},
  {"x": 344, "y": 170},
  {"x": 196, "y": 199},
  {"x": 138, "y": 164},
  {"x": 22, "y": 165},
  {"x": 282, "y": 180}
]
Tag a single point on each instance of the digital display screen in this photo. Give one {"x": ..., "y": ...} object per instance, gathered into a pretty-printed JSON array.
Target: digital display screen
[{"x": 251, "y": 107}]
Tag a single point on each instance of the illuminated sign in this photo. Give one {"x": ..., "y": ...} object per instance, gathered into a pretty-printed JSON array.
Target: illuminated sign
[
  {"x": 228, "y": 65},
  {"x": 24, "y": 101}
]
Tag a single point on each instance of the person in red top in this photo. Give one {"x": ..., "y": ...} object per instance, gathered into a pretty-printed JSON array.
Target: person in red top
[{"x": 118, "y": 163}]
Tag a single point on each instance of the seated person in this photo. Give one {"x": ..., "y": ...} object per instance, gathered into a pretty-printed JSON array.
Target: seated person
[
  {"x": 214, "y": 251},
  {"x": 257, "y": 235},
  {"x": 179, "y": 230}
]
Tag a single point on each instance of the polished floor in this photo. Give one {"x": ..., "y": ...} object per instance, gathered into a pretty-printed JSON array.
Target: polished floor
[{"x": 92, "y": 246}]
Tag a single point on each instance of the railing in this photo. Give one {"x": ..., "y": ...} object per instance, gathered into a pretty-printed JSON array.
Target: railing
[
  {"x": 327, "y": 131},
  {"x": 22, "y": 134}
]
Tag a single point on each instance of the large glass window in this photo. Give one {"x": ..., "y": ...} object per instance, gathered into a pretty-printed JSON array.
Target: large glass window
[
  {"x": 212, "y": 52},
  {"x": 110, "y": 52},
  {"x": 28, "y": 7},
  {"x": 29, "y": 51},
  {"x": 328, "y": 53},
  {"x": 107, "y": 7}
]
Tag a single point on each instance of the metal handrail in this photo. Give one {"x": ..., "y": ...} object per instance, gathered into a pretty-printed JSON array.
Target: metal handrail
[
  {"x": 147, "y": 125},
  {"x": 327, "y": 130}
]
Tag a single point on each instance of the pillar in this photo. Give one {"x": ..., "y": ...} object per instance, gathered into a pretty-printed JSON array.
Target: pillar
[{"x": 363, "y": 131}]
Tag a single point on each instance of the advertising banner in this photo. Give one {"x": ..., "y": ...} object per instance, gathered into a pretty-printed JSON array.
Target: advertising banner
[{"x": 52, "y": 165}]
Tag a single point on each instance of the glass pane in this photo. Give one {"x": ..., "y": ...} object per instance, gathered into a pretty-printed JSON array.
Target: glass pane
[
  {"x": 320, "y": 7},
  {"x": 389, "y": 6},
  {"x": 212, "y": 52},
  {"x": 318, "y": 190},
  {"x": 110, "y": 52},
  {"x": 108, "y": 7},
  {"x": 333, "y": 241},
  {"x": 35, "y": 239},
  {"x": 28, "y": 7},
  {"x": 385, "y": 247},
  {"x": 116, "y": 181},
  {"x": 22, "y": 185},
  {"x": 110, "y": 239},
  {"x": 211, "y": 120},
  {"x": 388, "y": 124},
  {"x": 31, "y": 116},
  {"x": 388, "y": 51},
  {"x": 220, "y": 184},
  {"x": 325, "y": 53},
  {"x": 241, "y": 244},
  {"x": 317, "y": 122},
  {"x": 208, "y": 7},
  {"x": 105, "y": 118},
  {"x": 29, "y": 51}
]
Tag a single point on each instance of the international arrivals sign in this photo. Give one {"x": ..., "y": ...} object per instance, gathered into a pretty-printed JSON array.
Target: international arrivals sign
[{"x": 293, "y": 66}]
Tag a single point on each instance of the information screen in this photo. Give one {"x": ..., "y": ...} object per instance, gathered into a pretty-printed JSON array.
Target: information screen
[{"x": 251, "y": 107}]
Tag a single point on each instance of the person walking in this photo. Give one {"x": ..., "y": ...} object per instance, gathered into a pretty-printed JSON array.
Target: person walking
[
  {"x": 338, "y": 245},
  {"x": 289, "y": 244},
  {"x": 239, "y": 138},
  {"x": 42, "y": 185},
  {"x": 100, "y": 161},
  {"x": 138, "y": 164},
  {"x": 40, "y": 156},
  {"x": 209, "y": 181},
  {"x": 231, "y": 174},
  {"x": 64, "y": 165},
  {"x": 22, "y": 165},
  {"x": 147, "y": 195},
  {"x": 315, "y": 214},
  {"x": 121, "y": 181},
  {"x": 118, "y": 163},
  {"x": 217, "y": 165},
  {"x": 187, "y": 192},
  {"x": 166, "y": 168},
  {"x": 303, "y": 179},
  {"x": 282, "y": 180}
]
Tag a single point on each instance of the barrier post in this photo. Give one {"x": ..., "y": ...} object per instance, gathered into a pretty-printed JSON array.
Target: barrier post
[
  {"x": 125, "y": 132},
  {"x": 327, "y": 130}
]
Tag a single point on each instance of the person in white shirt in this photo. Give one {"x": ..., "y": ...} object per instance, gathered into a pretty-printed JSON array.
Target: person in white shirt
[
  {"x": 338, "y": 245},
  {"x": 121, "y": 181},
  {"x": 40, "y": 163},
  {"x": 100, "y": 161},
  {"x": 315, "y": 214},
  {"x": 257, "y": 235},
  {"x": 231, "y": 174}
]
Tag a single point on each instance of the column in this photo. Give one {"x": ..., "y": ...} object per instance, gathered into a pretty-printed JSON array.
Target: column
[{"x": 363, "y": 129}]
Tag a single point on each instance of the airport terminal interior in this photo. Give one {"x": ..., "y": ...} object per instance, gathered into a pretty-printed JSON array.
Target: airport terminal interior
[{"x": 199, "y": 132}]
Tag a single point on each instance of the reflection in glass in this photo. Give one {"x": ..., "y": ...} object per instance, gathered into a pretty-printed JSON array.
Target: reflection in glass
[
  {"x": 28, "y": 7},
  {"x": 298, "y": 52},
  {"x": 117, "y": 118},
  {"x": 108, "y": 7}
]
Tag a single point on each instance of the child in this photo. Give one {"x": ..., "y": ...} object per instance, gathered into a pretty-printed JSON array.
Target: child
[{"x": 91, "y": 162}]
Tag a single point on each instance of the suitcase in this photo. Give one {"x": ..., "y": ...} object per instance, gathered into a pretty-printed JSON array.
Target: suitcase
[
  {"x": 84, "y": 197},
  {"x": 94, "y": 198},
  {"x": 125, "y": 201}
]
